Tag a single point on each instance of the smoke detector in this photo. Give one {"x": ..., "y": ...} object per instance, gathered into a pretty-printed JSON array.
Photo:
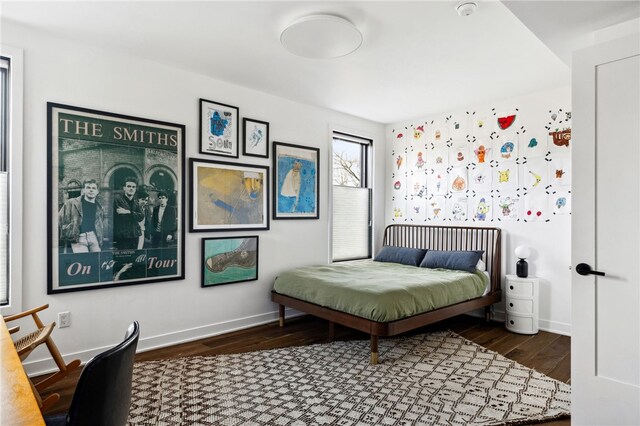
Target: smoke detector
[{"x": 467, "y": 8}]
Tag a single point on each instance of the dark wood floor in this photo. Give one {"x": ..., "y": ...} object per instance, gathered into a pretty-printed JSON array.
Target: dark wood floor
[{"x": 546, "y": 352}]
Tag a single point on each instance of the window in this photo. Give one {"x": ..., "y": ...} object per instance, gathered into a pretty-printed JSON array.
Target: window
[
  {"x": 351, "y": 198},
  {"x": 10, "y": 179}
]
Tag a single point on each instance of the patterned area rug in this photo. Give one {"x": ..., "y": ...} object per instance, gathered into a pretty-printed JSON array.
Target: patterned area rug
[{"x": 431, "y": 379}]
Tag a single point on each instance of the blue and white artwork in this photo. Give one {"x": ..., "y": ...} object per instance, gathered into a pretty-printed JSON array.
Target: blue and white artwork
[{"x": 296, "y": 182}]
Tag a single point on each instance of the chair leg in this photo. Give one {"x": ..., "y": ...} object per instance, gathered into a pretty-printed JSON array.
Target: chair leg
[
  {"x": 49, "y": 401},
  {"x": 49, "y": 380}
]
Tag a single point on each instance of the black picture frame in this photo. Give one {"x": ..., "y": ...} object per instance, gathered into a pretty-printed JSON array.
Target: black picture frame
[
  {"x": 96, "y": 151},
  {"x": 296, "y": 181},
  {"x": 228, "y": 260},
  {"x": 225, "y": 119},
  {"x": 226, "y": 196},
  {"x": 255, "y": 139}
]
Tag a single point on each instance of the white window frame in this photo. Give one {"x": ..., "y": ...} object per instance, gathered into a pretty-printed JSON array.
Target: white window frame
[{"x": 15, "y": 138}]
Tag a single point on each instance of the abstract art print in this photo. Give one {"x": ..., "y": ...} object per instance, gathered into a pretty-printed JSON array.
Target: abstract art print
[
  {"x": 219, "y": 129},
  {"x": 115, "y": 204},
  {"x": 229, "y": 260},
  {"x": 228, "y": 196},
  {"x": 296, "y": 181},
  {"x": 256, "y": 138}
]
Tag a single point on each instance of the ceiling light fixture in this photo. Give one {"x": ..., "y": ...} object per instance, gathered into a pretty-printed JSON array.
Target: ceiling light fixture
[
  {"x": 321, "y": 37},
  {"x": 467, "y": 8}
]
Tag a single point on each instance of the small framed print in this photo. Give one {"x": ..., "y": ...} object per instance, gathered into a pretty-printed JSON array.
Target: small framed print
[
  {"x": 256, "y": 138},
  {"x": 228, "y": 260},
  {"x": 219, "y": 129},
  {"x": 296, "y": 184}
]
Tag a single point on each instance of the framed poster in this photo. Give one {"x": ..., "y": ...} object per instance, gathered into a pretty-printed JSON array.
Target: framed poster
[
  {"x": 296, "y": 181},
  {"x": 256, "y": 138},
  {"x": 228, "y": 260},
  {"x": 228, "y": 196},
  {"x": 115, "y": 199},
  {"x": 219, "y": 129}
]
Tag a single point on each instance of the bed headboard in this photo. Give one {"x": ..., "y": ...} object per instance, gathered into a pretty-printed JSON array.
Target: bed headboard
[{"x": 451, "y": 238}]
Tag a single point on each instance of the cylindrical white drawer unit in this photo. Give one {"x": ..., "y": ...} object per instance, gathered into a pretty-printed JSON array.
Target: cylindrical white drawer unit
[{"x": 522, "y": 304}]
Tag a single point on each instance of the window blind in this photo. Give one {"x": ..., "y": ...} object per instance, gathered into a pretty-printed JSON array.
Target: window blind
[{"x": 351, "y": 222}]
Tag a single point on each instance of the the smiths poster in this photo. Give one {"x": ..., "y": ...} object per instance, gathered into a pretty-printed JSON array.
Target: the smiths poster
[{"x": 115, "y": 202}]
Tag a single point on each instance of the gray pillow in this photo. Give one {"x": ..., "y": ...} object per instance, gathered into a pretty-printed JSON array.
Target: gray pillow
[
  {"x": 456, "y": 260},
  {"x": 404, "y": 255}
]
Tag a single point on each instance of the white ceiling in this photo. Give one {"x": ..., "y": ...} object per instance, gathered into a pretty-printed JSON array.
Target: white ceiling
[{"x": 417, "y": 58}]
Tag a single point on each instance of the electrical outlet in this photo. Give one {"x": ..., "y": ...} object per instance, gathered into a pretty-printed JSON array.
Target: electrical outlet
[{"x": 64, "y": 319}]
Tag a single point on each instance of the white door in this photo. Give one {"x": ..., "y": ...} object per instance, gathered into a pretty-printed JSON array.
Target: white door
[{"x": 605, "y": 344}]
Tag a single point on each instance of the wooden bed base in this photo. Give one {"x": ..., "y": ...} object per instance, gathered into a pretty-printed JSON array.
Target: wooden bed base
[{"x": 417, "y": 236}]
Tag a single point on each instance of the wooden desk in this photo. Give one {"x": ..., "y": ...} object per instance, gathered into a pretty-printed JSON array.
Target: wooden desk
[{"x": 18, "y": 405}]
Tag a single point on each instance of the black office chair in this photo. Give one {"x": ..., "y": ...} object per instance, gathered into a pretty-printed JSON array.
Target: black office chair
[{"x": 103, "y": 394}]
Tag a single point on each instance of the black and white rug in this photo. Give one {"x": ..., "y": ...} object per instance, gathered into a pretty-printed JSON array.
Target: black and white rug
[{"x": 431, "y": 379}]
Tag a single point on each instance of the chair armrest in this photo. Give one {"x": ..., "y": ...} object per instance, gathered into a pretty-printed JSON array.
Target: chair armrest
[
  {"x": 25, "y": 313},
  {"x": 14, "y": 329}
]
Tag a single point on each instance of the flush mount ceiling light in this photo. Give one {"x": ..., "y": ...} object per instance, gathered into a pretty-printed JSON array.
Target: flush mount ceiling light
[
  {"x": 466, "y": 8},
  {"x": 321, "y": 37}
]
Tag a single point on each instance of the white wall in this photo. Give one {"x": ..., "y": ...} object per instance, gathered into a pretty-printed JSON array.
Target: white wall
[
  {"x": 550, "y": 241},
  {"x": 71, "y": 73}
]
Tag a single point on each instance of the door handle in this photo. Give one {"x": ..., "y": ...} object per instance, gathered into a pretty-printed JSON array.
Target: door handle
[{"x": 584, "y": 269}]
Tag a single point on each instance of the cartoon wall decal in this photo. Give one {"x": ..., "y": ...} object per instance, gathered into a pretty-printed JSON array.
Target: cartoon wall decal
[
  {"x": 458, "y": 207},
  {"x": 506, "y": 150},
  {"x": 505, "y": 122},
  {"x": 561, "y": 203},
  {"x": 399, "y": 136},
  {"x": 437, "y": 182},
  {"x": 506, "y": 176},
  {"x": 560, "y": 170},
  {"x": 416, "y": 210},
  {"x": 438, "y": 157},
  {"x": 419, "y": 163},
  {"x": 458, "y": 179},
  {"x": 399, "y": 161},
  {"x": 536, "y": 205},
  {"x": 482, "y": 208},
  {"x": 480, "y": 178},
  {"x": 536, "y": 173},
  {"x": 436, "y": 207},
  {"x": 459, "y": 155},
  {"x": 397, "y": 185},
  {"x": 482, "y": 153},
  {"x": 561, "y": 137},
  {"x": 419, "y": 187},
  {"x": 506, "y": 206},
  {"x": 418, "y": 131}
]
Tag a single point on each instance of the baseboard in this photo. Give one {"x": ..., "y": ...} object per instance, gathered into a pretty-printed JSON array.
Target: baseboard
[
  {"x": 47, "y": 365},
  {"x": 545, "y": 325}
]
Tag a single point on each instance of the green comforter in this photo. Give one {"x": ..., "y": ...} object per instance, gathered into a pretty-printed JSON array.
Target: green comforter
[{"x": 380, "y": 291}]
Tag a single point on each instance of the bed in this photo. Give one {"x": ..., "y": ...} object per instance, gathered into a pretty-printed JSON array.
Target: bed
[{"x": 318, "y": 290}]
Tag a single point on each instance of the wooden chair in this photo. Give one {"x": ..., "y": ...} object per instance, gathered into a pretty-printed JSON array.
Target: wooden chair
[{"x": 26, "y": 344}]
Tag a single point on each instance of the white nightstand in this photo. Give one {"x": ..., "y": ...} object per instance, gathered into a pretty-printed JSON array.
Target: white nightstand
[{"x": 522, "y": 304}]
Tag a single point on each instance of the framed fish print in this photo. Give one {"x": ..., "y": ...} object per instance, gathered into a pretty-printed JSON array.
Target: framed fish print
[
  {"x": 219, "y": 129},
  {"x": 115, "y": 204},
  {"x": 256, "y": 138},
  {"x": 228, "y": 196},
  {"x": 296, "y": 181},
  {"x": 228, "y": 260}
]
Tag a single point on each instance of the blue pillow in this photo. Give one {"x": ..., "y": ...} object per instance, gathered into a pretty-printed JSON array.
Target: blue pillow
[
  {"x": 457, "y": 260},
  {"x": 404, "y": 255}
]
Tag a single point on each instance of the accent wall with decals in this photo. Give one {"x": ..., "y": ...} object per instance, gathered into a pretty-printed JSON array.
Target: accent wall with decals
[{"x": 506, "y": 164}]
